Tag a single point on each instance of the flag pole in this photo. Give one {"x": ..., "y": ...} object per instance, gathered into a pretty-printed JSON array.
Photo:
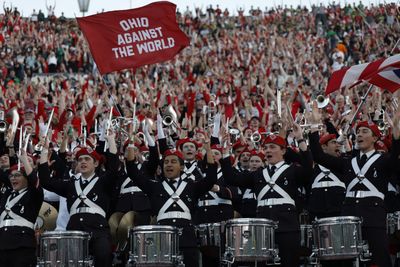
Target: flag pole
[{"x": 364, "y": 97}]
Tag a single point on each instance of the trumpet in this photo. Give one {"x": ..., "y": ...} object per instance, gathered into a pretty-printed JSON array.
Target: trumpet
[
  {"x": 3, "y": 123},
  {"x": 255, "y": 137},
  {"x": 170, "y": 117},
  {"x": 322, "y": 101}
]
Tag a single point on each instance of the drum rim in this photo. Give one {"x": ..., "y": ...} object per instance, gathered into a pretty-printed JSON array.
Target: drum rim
[
  {"x": 251, "y": 221},
  {"x": 208, "y": 224},
  {"x": 64, "y": 233},
  {"x": 153, "y": 228},
  {"x": 337, "y": 219}
]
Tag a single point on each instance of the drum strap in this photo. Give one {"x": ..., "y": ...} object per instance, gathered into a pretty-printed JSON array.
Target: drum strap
[
  {"x": 174, "y": 198},
  {"x": 326, "y": 173},
  {"x": 216, "y": 199},
  {"x": 391, "y": 188},
  {"x": 285, "y": 197},
  {"x": 248, "y": 194},
  {"x": 373, "y": 191},
  {"x": 14, "y": 219},
  {"x": 92, "y": 207},
  {"x": 188, "y": 172},
  {"x": 130, "y": 189}
]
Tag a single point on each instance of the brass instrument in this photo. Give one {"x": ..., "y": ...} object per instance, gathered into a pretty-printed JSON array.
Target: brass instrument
[
  {"x": 15, "y": 120},
  {"x": 211, "y": 111},
  {"x": 3, "y": 123},
  {"x": 255, "y": 137},
  {"x": 170, "y": 118},
  {"x": 322, "y": 101}
]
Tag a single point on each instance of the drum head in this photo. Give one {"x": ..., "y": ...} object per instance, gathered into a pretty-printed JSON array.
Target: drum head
[
  {"x": 149, "y": 228},
  {"x": 252, "y": 221},
  {"x": 47, "y": 218},
  {"x": 63, "y": 234},
  {"x": 339, "y": 219}
]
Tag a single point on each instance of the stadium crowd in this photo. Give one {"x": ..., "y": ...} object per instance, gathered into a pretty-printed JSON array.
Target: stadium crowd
[{"x": 211, "y": 112}]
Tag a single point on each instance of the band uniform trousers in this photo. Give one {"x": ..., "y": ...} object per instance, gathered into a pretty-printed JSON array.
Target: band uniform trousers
[{"x": 21, "y": 257}]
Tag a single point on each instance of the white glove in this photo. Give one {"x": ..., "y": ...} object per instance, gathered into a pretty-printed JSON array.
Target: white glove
[
  {"x": 217, "y": 125},
  {"x": 160, "y": 131},
  {"x": 149, "y": 139}
]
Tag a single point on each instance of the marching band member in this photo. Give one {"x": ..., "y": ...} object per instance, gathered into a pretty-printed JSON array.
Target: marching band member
[
  {"x": 88, "y": 196},
  {"x": 19, "y": 209},
  {"x": 173, "y": 198},
  {"x": 248, "y": 205},
  {"x": 366, "y": 177},
  {"x": 216, "y": 206},
  {"x": 276, "y": 189},
  {"x": 327, "y": 189}
]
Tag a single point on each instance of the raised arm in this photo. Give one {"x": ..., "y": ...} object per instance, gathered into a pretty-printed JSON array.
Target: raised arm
[{"x": 205, "y": 185}]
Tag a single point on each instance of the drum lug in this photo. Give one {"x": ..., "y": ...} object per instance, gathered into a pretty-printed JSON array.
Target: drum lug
[
  {"x": 365, "y": 254},
  {"x": 228, "y": 257},
  {"x": 313, "y": 258},
  {"x": 276, "y": 260}
]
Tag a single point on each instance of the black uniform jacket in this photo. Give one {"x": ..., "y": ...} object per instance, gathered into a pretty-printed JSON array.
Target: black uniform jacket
[
  {"x": 190, "y": 195},
  {"x": 370, "y": 209},
  {"x": 292, "y": 178},
  {"x": 27, "y": 207},
  {"x": 100, "y": 195}
]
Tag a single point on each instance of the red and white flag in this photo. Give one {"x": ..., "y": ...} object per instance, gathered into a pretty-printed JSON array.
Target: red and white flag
[
  {"x": 384, "y": 73},
  {"x": 135, "y": 37}
]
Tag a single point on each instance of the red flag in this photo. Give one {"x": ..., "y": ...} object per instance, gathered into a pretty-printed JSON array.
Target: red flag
[
  {"x": 131, "y": 38},
  {"x": 381, "y": 73}
]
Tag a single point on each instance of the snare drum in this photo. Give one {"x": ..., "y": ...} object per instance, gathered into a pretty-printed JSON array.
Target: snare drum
[
  {"x": 209, "y": 234},
  {"x": 154, "y": 245},
  {"x": 337, "y": 238},
  {"x": 249, "y": 239},
  {"x": 64, "y": 248}
]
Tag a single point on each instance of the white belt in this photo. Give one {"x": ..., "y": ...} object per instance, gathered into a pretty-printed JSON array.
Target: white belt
[
  {"x": 328, "y": 184},
  {"x": 275, "y": 201},
  {"x": 16, "y": 222},
  {"x": 364, "y": 194},
  {"x": 214, "y": 202},
  {"x": 92, "y": 210},
  {"x": 132, "y": 189},
  {"x": 174, "y": 215}
]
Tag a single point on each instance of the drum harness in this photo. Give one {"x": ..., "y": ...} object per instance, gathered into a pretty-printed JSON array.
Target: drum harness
[
  {"x": 271, "y": 185},
  {"x": 373, "y": 191},
  {"x": 130, "y": 189},
  {"x": 174, "y": 198},
  {"x": 82, "y": 198},
  {"x": 326, "y": 173},
  {"x": 216, "y": 199},
  {"x": 188, "y": 172},
  {"x": 14, "y": 219}
]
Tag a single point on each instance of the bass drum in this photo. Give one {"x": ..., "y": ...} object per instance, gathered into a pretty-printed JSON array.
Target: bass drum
[{"x": 64, "y": 248}]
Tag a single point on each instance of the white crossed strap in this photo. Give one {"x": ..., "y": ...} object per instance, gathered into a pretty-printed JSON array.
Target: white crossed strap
[
  {"x": 188, "y": 172},
  {"x": 130, "y": 189},
  {"x": 91, "y": 206},
  {"x": 271, "y": 185},
  {"x": 248, "y": 194},
  {"x": 391, "y": 188},
  {"x": 13, "y": 218},
  {"x": 335, "y": 181},
  {"x": 216, "y": 199},
  {"x": 372, "y": 190},
  {"x": 174, "y": 198}
]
